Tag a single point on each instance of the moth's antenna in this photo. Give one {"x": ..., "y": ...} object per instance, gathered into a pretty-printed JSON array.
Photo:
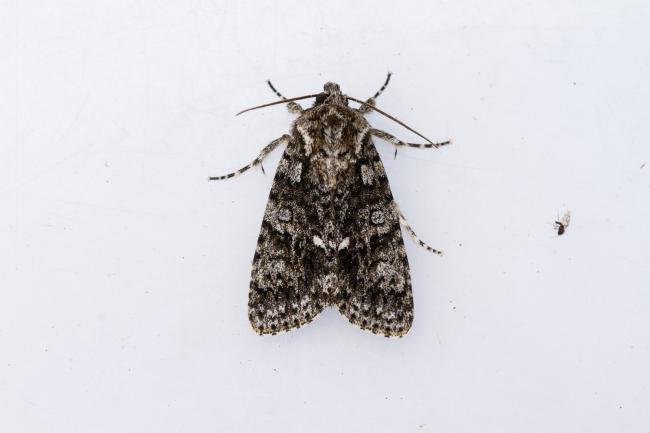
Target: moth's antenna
[
  {"x": 284, "y": 101},
  {"x": 390, "y": 117}
]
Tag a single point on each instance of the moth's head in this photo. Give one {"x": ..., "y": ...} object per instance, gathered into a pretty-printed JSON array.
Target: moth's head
[{"x": 331, "y": 95}]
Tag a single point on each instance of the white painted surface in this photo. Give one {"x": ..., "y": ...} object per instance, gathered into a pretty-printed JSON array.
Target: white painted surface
[{"x": 124, "y": 273}]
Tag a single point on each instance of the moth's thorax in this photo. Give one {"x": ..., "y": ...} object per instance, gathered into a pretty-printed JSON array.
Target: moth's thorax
[
  {"x": 331, "y": 127},
  {"x": 331, "y": 137}
]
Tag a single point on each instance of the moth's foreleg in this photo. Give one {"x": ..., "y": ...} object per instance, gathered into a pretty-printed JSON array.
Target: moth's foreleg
[
  {"x": 372, "y": 100},
  {"x": 284, "y": 140},
  {"x": 295, "y": 108},
  {"x": 414, "y": 236},
  {"x": 292, "y": 106},
  {"x": 399, "y": 143}
]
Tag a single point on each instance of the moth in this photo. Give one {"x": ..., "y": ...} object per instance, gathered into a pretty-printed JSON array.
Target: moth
[
  {"x": 331, "y": 233},
  {"x": 563, "y": 223}
]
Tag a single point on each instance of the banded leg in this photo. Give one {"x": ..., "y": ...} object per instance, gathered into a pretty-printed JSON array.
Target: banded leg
[
  {"x": 416, "y": 239},
  {"x": 284, "y": 140},
  {"x": 399, "y": 143},
  {"x": 292, "y": 106},
  {"x": 371, "y": 101}
]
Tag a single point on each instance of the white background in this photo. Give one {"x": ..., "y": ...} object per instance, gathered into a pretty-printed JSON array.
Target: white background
[{"x": 124, "y": 273}]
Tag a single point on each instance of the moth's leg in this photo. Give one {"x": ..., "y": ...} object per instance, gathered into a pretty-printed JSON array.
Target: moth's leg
[
  {"x": 415, "y": 237},
  {"x": 284, "y": 140},
  {"x": 293, "y": 106},
  {"x": 371, "y": 101},
  {"x": 399, "y": 143}
]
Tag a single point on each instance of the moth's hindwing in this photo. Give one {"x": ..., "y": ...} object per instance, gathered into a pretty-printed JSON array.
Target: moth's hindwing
[{"x": 331, "y": 233}]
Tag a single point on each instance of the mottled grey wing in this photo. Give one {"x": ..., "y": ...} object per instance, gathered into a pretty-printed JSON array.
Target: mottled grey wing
[
  {"x": 374, "y": 269},
  {"x": 283, "y": 291}
]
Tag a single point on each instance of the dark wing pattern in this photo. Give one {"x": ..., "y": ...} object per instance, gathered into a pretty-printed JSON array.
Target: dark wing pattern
[
  {"x": 283, "y": 291},
  {"x": 374, "y": 267},
  {"x": 331, "y": 233}
]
